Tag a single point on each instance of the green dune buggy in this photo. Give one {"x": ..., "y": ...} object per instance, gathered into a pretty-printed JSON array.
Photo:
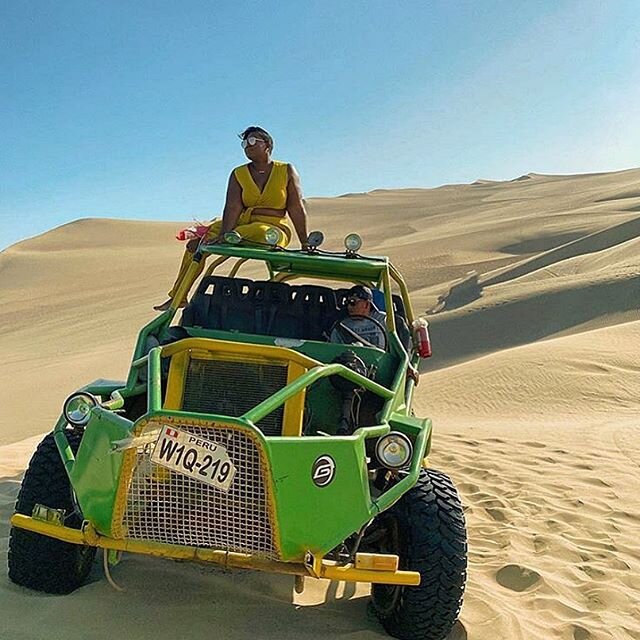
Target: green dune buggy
[{"x": 245, "y": 434}]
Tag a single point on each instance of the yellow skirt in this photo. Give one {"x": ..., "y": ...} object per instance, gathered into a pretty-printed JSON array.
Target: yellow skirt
[{"x": 253, "y": 227}]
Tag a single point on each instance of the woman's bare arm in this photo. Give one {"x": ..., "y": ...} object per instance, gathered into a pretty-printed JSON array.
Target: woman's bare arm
[
  {"x": 295, "y": 205},
  {"x": 233, "y": 205}
]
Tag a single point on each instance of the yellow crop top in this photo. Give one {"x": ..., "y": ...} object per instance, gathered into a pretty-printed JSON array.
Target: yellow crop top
[{"x": 274, "y": 194}]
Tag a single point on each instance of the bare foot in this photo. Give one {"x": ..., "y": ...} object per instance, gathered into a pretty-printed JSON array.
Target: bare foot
[
  {"x": 167, "y": 303},
  {"x": 164, "y": 306}
]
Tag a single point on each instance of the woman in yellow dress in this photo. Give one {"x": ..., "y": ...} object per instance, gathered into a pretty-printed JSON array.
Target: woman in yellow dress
[{"x": 260, "y": 195}]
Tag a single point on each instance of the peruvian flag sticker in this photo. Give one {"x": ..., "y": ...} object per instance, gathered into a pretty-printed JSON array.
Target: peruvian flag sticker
[{"x": 172, "y": 433}]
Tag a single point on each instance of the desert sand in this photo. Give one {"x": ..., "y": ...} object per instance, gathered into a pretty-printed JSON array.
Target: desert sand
[{"x": 534, "y": 390}]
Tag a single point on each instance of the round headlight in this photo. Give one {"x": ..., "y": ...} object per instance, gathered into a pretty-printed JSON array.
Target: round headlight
[
  {"x": 77, "y": 408},
  {"x": 315, "y": 239},
  {"x": 394, "y": 450},
  {"x": 232, "y": 237},
  {"x": 353, "y": 242},
  {"x": 272, "y": 236}
]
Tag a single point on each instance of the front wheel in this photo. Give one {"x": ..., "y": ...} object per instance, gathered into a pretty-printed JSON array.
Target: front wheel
[
  {"x": 426, "y": 529},
  {"x": 40, "y": 562}
]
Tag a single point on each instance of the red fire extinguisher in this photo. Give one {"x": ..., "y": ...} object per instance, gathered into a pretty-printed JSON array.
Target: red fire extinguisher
[{"x": 421, "y": 336}]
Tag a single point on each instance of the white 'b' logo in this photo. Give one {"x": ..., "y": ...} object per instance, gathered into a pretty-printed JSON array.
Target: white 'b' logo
[{"x": 323, "y": 471}]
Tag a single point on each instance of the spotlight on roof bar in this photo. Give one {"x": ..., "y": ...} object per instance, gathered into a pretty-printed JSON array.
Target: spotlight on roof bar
[
  {"x": 315, "y": 239},
  {"x": 353, "y": 242},
  {"x": 272, "y": 236},
  {"x": 232, "y": 237}
]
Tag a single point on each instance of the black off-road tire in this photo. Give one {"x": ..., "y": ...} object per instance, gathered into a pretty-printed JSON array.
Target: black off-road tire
[
  {"x": 36, "y": 561},
  {"x": 426, "y": 528}
]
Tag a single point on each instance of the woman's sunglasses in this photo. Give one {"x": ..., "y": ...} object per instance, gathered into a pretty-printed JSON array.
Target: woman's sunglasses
[{"x": 250, "y": 141}]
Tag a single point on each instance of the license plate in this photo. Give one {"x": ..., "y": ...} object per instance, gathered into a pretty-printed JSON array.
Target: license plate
[{"x": 194, "y": 457}]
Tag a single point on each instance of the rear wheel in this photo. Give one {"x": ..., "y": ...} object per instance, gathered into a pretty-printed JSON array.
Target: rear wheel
[
  {"x": 426, "y": 529},
  {"x": 36, "y": 561}
]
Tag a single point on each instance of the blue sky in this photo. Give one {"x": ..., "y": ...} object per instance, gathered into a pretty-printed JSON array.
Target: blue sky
[{"x": 131, "y": 109}]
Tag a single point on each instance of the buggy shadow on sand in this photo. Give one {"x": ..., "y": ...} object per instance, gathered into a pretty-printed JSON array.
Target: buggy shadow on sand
[{"x": 243, "y": 436}]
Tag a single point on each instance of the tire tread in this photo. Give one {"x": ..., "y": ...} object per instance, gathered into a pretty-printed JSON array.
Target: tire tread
[
  {"x": 40, "y": 562},
  {"x": 432, "y": 522}
]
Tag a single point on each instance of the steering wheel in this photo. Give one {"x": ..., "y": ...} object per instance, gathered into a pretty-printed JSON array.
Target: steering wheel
[{"x": 352, "y": 337}]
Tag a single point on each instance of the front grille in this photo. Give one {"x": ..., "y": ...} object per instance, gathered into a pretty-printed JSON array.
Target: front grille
[
  {"x": 232, "y": 388},
  {"x": 165, "y": 506}
]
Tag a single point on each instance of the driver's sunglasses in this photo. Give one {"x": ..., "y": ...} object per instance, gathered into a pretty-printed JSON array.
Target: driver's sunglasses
[
  {"x": 250, "y": 141},
  {"x": 352, "y": 301}
]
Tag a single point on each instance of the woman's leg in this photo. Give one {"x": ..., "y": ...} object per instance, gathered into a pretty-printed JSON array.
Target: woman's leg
[
  {"x": 255, "y": 231},
  {"x": 187, "y": 258}
]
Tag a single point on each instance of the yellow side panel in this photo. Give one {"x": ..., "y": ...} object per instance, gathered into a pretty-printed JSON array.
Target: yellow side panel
[
  {"x": 294, "y": 407},
  {"x": 175, "y": 381}
]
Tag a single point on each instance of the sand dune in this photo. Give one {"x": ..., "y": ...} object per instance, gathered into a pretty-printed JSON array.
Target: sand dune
[{"x": 534, "y": 390}]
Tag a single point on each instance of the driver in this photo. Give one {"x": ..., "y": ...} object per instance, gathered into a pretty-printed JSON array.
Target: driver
[{"x": 360, "y": 307}]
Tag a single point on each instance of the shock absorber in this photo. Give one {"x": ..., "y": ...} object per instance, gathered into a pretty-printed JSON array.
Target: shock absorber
[{"x": 348, "y": 390}]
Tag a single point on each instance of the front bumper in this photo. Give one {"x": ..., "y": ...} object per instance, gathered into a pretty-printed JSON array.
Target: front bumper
[{"x": 313, "y": 566}]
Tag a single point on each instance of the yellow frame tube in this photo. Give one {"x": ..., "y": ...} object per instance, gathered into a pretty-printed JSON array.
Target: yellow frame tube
[
  {"x": 404, "y": 292},
  {"x": 269, "y": 352},
  {"x": 293, "y": 409},
  {"x": 236, "y": 266},
  {"x": 318, "y": 568},
  {"x": 388, "y": 303},
  {"x": 283, "y": 277},
  {"x": 215, "y": 264}
]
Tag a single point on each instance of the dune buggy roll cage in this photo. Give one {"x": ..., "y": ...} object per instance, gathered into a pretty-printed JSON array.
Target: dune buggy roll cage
[{"x": 287, "y": 264}]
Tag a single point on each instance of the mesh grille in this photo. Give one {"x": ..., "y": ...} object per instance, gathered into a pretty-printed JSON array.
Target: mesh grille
[
  {"x": 232, "y": 388},
  {"x": 165, "y": 506}
]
